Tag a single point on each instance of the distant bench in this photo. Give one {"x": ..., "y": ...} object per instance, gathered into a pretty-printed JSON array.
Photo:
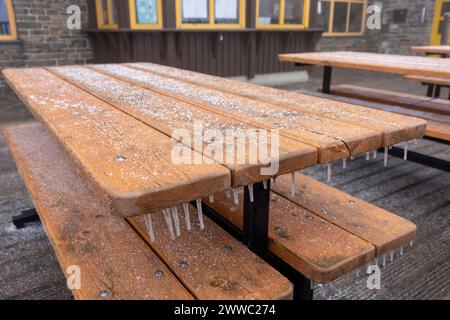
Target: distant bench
[{"x": 435, "y": 111}]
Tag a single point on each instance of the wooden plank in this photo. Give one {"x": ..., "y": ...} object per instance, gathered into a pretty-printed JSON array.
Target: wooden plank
[
  {"x": 318, "y": 249},
  {"x": 393, "y": 128},
  {"x": 386, "y": 231},
  {"x": 167, "y": 115},
  {"x": 421, "y": 103},
  {"x": 427, "y": 80},
  {"x": 431, "y": 49},
  {"x": 388, "y": 63},
  {"x": 330, "y": 137},
  {"x": 214, "y": 265},
  {"x": 112, "y": 258},
  {"x": 128, "y": 163}
]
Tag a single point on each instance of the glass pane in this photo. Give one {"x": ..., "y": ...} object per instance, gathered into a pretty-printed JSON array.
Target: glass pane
[
  {"x": 5, "y": 28},
  {"x": 293, "y": 12},
  {"x": 114, "y": 12},
  {"x": 104, "y": 11},
  {"x": 146, "y": 11},
  {"x": 195, "y": 11},
  {"x": 269, "y": 12},
  {"x": 324, "y": 16},
  {"x": 226, "y": 11},
  {"x": 340, "y": 17},
  {"x": 356, "y": 15}
]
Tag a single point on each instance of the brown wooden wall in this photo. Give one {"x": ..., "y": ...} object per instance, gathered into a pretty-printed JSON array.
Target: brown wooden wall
[{"x": 224, "y": 53}]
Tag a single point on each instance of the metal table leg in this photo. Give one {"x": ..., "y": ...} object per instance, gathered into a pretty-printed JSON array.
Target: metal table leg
[
  {"x": 26, "y": 216},
  {"x": 430, "y": 90},
  {"x": 326, "y": 82}
]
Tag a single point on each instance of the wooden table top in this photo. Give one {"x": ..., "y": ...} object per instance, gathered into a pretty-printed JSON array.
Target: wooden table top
[
  {"x": 116, "y": 123},
  {"x": 431, "y": 49},
  {"x": 388, "y": 63}
]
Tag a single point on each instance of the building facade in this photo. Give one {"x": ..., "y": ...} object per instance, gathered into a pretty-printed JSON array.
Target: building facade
[{"x": 223, "y": 37}]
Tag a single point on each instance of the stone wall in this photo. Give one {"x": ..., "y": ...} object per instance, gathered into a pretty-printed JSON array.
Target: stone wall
[
  {"x": 43, "y": 38},
  {"x": 393, "y": 37}
]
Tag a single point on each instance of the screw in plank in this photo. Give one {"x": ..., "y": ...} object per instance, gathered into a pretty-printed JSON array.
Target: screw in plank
[
  {"x": 158, "y": 273},
  {"x": 120, "y": 158},
  {"x": 227, "y": 249},
  {"x": 104, "y": 294},
  {"x": 184, "y": 265}
]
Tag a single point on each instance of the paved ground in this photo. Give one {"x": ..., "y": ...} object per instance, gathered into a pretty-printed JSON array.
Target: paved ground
[{"x": 29, "y": 268}]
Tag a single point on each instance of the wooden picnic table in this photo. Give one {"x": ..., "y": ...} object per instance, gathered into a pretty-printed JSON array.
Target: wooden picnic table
[
  {"x": 443, "y": 51},
  {"x": 387, "y": 63},
  {"x": 116, "y": 123}
]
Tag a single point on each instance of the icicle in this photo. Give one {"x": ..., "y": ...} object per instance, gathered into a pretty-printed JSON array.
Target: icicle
[
  {"x": 187, "y": 218},
  {"x": 344, "y": 163},
  {"x": 176, "y": 221},
  {"x": 390, "y": 147},
  {"x": 352, "y": 157},
  {"x": 272, "y": 180},
  {"x": 392, "y": 256},
  {"x": 329, "y": 172},
  {"x": 312, "y": 285},
  {"x": 149, "y": 225},
  {"x": 411, "y": 243},
  {"x": 384, "y": 260},
  {"x": 375, "y": 154},
  {"x": 228, "y": 194},
  {"x": 401, "y": 251},
  {"x": 367, "y": 156},
  {"x": 293, "y": 184},
  {"x": 250, "y": 192},
  {"x": 405, "y": 151},
  {"x": 357, "y": 273},
  {"x": 376, "y": 261},
  {"x": 235, "y": 196},
  {"x": 265, "y": 184},
  {"x": 415, "y": 141},
  {"x": 200, "y": 213},
  {"x": 169, "y": 225},
  {"x": 211, "y": 198},
  {"x": 386, "y": 150}
]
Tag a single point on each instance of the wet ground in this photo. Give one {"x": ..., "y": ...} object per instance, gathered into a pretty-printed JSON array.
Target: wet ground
[{"x": 29, "y": 268}]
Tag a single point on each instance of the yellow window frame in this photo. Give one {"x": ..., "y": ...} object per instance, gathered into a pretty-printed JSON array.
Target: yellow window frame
[
  {"x": 211, "y": 24},
  {"x": 347, "y": 26},
  {"x": 282, "y": 25},
  {"x": 133, "y": 18},
  {"x": 12, "y": 23},
  {"x": 435, "y": 36},
  {"x": 99, "y": 11}
]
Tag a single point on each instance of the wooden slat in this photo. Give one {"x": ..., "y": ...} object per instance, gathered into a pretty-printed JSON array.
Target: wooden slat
[
  {"x": 214, "y": 265},
  {"x": 318, "y": 249},
  {"x": 386, "y": 231},
  {"x": 393, "y": 128},
  {"x": 330, "y": 137},
  {"x": 427, "y": 80},
  {"x": 431, "y": 49},
  {"x": 167, "y": 115},
  {"x": 110, "y": 254},
  {"x": 421, "y": 103},
  {"x": 389, "y": 63},
  {"x": 95, "y": 134}
]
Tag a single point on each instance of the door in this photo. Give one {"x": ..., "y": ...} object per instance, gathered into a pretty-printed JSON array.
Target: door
[{"x": 442, "y": 7}]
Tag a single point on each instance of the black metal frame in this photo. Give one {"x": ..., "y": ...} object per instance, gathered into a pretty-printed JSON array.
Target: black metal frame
[
  {"x": 26, "y": 216},
  {"x": 255, "y": 236}
]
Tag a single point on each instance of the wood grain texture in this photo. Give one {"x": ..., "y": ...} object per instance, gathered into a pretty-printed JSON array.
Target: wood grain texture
[
  {"x": 388, "y": 63},
  {"x": 168, "y": 115},
  {"x": 128, "y": 163},
  {"x": 333, "y": 139},
  {"x": 316, "y": 248},
  {"x": 431, "y": 49},
  {"x": 393, "y": 128},
  {"x": 411, "y": 101},
  {"x": 111, "y": 255},
  {"x": 214, "y": 265},
  {"x": 386, "y": 231}
]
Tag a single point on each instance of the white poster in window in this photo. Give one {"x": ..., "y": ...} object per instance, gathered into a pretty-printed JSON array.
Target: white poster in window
[
  {"x": 226, "y": 9},
  {"x": 195, "y": 9}
]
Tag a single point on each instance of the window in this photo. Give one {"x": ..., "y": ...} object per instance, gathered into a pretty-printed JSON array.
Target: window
[
  {"x": 145, "y": 14},
  {"x": 7, "y": 21},
  {"x": 273, "y": 14},
  {"x": 211, "y": 14},
  {"x": 342, "y": 17},
  {"x": 107, "y": 14}
]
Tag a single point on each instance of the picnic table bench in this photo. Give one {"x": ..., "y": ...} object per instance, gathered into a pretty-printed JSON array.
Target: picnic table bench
[{"x": 99, "y": 171}]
